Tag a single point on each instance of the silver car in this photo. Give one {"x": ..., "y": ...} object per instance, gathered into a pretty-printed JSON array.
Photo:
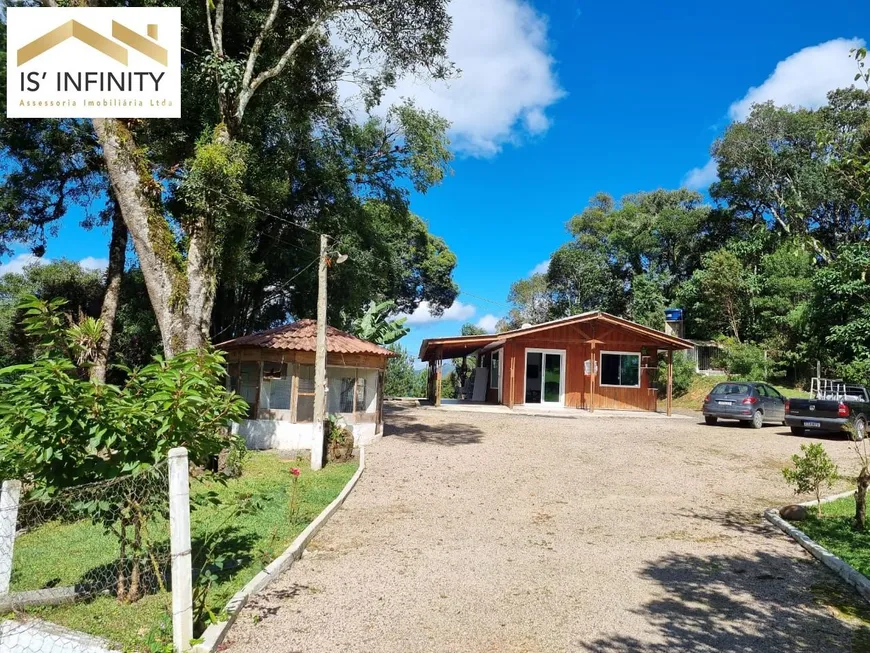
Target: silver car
[{"x": 753, "y": 404}]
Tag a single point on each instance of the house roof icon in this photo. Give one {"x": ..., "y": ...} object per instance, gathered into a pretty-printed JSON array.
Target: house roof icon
[{"x": 74, "y": 29}]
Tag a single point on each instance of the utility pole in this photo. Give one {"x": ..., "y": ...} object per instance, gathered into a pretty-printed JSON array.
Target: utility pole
[{"x": 317, "y": 445}]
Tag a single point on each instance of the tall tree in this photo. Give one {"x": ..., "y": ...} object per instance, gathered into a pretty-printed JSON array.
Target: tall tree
[
  {"x": 779, "y": 168},
  {"x": 531, "y": 301},
  {"x": 395, "y": 36}
]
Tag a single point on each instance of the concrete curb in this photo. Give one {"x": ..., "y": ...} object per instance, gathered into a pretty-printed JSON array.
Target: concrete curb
[
  {"x": 215, "y": 633},
  {"x": 844, "y": 570}
]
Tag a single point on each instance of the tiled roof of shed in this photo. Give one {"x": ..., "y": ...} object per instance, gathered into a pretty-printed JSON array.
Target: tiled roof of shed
[{"x": 302, "y": 336}]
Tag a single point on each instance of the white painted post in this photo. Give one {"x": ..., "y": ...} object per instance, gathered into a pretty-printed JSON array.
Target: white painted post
[
  {"x": 179, "y": 526},
  {"x": 9, "y": 496}
]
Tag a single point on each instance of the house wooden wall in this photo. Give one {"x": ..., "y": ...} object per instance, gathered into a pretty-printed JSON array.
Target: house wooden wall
[{"x": 573, "y": 339}]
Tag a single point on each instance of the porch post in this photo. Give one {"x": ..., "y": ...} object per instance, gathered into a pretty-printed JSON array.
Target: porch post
[
  {"x": 510, "y": 401},
  {"x": 670, "y": 379},
  {"x": 438, "y": 366},
  {"x": 592, "y": 378},
  {"x": 430, "y": 385}
]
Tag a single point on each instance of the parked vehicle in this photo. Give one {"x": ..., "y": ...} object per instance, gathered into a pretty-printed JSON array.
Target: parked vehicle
[
  {"x": 834, "y": 406},
  {"x": 752, "y": 403}
]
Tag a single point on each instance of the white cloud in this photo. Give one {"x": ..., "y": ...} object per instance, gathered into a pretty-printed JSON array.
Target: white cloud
[
  {"x": 804, "y": 78},
  {"x": 488, "y": 322},
  {"x": 92, "y": 263},
  {"x": 701, "y": 178},
  {"x": 507, "y": 81},
  {"x": 21, "y": 261},
  {"x": 457, "y": 311},
  {"x": 540, "y": 268},
  {"x": 800, "y": 80}
]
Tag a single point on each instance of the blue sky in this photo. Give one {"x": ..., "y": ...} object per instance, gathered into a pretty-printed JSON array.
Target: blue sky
[{"x": 561, "y": 99}]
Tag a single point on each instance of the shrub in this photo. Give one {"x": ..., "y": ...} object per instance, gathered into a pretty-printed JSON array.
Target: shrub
[
  {"x": 744, "y": 361},
  {"x": 58, "y": 429},
  {"x": 811, "y": 471},
  {"x": 339, "y": 439},
  {"x": 684, "y": 375}
]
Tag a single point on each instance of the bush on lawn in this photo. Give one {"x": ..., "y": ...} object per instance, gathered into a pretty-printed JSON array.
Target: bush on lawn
[
  {"x": 811, "y": 471},
  {"x": 684, "y": 374},
  {"x": 59, "y": 430},
  {"x": 744, "y": 361}
]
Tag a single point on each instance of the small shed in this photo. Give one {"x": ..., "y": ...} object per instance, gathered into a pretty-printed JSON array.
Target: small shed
[
  {"x": 587, "y": 361},
  {"x": 274, "y": 372}
]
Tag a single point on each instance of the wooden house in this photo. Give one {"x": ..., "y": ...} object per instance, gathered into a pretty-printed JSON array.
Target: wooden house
[{"x": 589, "y": 361}]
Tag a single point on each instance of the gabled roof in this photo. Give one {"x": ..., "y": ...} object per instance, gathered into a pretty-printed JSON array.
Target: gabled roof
[
  {"x": 462, "y": 345},
  {"x": 302, "y": 336}
]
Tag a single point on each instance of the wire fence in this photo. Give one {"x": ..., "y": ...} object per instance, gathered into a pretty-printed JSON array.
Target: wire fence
[{"x": 94, "y": 557}]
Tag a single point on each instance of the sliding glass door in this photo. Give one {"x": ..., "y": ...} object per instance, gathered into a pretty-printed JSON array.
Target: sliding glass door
[{"x": 545, "y": 372}]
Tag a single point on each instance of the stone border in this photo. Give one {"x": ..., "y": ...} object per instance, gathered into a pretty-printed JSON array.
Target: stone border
[
  {"x": 844, "y": 570},
  {"x": 215, "y": 633}
]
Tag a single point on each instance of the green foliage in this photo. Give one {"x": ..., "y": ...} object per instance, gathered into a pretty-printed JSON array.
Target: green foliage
[
  {"x": 135, "y": 339},
  {"x": 744, "y": 361},
  {"x": 647, "y": 302},
  {"x": 581, "y": 280},
  {"x": 401, "y": 377},
  {"x": 243, "y": 539},
  {"x": 684, "y": 375},
  {"x": 339, "y": 439},
  {"x": 717, "y": 295},
  {"x": 59, "y": 430},
  {"x": 531, "y": 300},
  {"x": 375, "y": 325},
  {"x": 811, "y": 471},
  {"x": 840, "y": 307}
]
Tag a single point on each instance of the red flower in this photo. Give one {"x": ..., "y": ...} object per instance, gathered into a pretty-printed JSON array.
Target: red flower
[{"x": 295, "y": 471}]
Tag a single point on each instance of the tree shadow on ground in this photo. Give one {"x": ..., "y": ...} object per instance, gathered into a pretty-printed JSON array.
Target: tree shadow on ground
[
  {"x": 737, "y": 603},
  {"x": 234, "y": 548},
  {"x": 403, "y": 423}
]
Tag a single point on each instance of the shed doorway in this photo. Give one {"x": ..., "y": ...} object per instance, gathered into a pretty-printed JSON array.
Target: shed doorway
[{"x": 545, "y": 377}]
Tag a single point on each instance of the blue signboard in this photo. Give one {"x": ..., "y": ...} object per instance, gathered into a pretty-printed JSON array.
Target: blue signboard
[{"x": 673, "y": 314}]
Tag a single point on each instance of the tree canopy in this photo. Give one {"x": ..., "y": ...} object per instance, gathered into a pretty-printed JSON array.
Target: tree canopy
[{"x": 776, "y": 265}]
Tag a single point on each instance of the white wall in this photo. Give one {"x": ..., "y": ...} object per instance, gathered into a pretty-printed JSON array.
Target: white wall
[{"x": 286, "y": 436}]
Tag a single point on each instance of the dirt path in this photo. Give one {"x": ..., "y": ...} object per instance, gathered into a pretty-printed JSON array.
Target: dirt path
[{"x": 501, "y": 533}]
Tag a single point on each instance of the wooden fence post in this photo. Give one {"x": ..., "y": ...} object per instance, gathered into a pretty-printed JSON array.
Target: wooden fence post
[
  {"x": 182, "y": 573},
  {"x": 9, "y": 497}
]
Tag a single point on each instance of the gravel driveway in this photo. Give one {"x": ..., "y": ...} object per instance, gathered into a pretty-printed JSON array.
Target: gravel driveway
[{"x": 482, "y": 532}]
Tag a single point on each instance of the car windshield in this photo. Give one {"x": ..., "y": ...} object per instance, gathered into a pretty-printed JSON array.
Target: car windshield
[{"x": 731, "y": 389}]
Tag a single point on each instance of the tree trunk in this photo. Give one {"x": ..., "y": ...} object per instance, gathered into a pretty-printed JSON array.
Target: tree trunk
[
  {"x": 202, "y": 286},
  {"x": 861, "y": 499},
  {"x": 114, "y": 273},
  {"x": 138, "y": 197}
]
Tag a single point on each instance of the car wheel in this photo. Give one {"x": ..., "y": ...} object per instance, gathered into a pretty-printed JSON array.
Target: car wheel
[
  {"x": 710, "y": 419},
  {"x": 798, "y": 430},
  {"x": 757, "y": 419},
  {"x": 860, "y": 428}
]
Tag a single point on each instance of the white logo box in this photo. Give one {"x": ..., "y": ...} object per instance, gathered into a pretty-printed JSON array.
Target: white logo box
[{"x": 93, "y": 62}]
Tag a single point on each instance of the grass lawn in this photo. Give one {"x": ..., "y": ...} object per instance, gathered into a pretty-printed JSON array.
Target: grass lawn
[
  {"x": 702, "y": 386},
  {"x": 63, "y": 554},
  {"x": 834, "y": 532}
]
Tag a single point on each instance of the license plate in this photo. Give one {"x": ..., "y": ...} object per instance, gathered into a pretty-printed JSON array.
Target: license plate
[
  {"x": 813, "y": 425},
  {"x": 725, "y": 403}
]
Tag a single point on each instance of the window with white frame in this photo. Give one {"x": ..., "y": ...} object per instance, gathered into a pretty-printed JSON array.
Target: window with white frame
[
  {"x": 620, "y": 369},
  {"x": 494, "y": 370}
]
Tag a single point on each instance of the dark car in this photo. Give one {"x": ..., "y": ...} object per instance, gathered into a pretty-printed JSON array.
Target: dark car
[
  {"x": 838, "y": 407},
  {"x": 751, "y": 403}
]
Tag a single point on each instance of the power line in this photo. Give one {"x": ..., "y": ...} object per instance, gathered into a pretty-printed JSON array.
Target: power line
[{"x": 250, "y": 204}]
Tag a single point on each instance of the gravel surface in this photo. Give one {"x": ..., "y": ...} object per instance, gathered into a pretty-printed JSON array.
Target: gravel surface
[{"x": 482, "y": 532}]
